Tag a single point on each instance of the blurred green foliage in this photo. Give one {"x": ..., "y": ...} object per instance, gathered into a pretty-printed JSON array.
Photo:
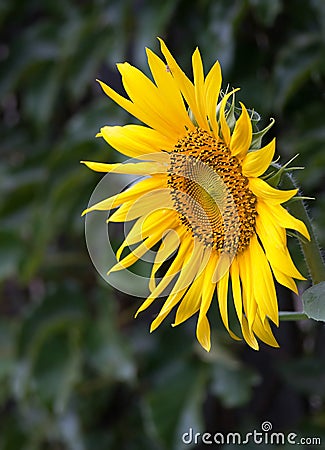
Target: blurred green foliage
[{"x": 76, "y": 371}]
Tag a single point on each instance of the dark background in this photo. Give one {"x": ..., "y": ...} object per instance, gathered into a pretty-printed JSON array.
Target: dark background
[{"x": 77, "y": 371}]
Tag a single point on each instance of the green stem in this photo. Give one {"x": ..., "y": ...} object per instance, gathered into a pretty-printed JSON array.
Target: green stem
[
  {"x": 310, "y": 248},
  {"x": 292, "y": 315}
]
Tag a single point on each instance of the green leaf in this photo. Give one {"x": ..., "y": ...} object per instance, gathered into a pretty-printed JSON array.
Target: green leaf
[
  {"x": 306, "y": 375},
  {"x": 106, "y": 351},
  {"x": 266, "y": 11},
  {"x": 175, "y": 402},
  {"x": 7, "y": 360},
  {"x": 10, "y": 253},
  {"x": 56, "y": 368},
  {"x": 314, "y": 302},
  {"x": 63, "y": 310},
  {"x": 296, "y": 62},
  {"x": 233, "y": 383}
]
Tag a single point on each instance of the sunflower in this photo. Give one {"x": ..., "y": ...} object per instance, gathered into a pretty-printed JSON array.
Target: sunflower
[{"x": 200, "y": 200}]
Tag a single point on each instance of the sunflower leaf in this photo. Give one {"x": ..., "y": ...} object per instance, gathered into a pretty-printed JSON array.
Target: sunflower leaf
[{"x": 314, "y": 302}]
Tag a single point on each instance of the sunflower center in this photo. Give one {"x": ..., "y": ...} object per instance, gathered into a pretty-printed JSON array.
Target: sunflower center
[{"x": 210, "y": 193}]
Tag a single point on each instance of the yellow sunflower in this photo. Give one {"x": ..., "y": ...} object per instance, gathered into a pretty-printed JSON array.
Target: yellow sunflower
[{"x": 200, "y": 200}]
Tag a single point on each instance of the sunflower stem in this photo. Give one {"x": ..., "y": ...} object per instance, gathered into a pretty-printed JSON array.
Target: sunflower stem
[
  {"x": 292, "y": 315},
  {"x": 311, "y": 250}
]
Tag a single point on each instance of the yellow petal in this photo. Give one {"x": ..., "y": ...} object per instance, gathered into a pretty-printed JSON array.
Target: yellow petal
[
  {"x": 203, "y": 327},
  {"x": 256, "y": 162},
  {"x": 135, "y": 140},
  {"x": 184, "y": 84},
  {"x": 149, "y": 202},
  {"x": 212, "y": 89},
  {"x": 199, "y": 90},
  {"x": 242, "y": 135},
  {"x": 187, "y": 274},
  {"x": 121, "y": 213},
  {"x": 171, "y": 301},
  {"x": 247, "y": 278},
  {"x": 174, "y": 104},
  {"x": 150, "y": 100},
  {"x": 137, "y": 190},
  {"x": 190, "y": 269},
  {"x": 156, "y": 223},
  {"x": 120, "y": 100},
  {"x": 236, "y": 289},
  {"x": 273, "y": 238},
  {"x": 263, "y": 331},
  {"x": 203, "y": 333},
  {"x": 286, "y": 220},
  {"x": 136, "y": 254},
  {"x": 147, "y": 116},
  {"x": 248, "y": 335},
  {"x": 264, "y": 290},
  {"x": 285, "y": 280},
  {"x": 191, "y": 301},
  {"x": 170, "y": 243},
  {"x": 266, "y": 192},
  {"x": 184, "y": 248},
  {"x": 222, "y": 289},
  {"x": 142, "y": 168}
]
